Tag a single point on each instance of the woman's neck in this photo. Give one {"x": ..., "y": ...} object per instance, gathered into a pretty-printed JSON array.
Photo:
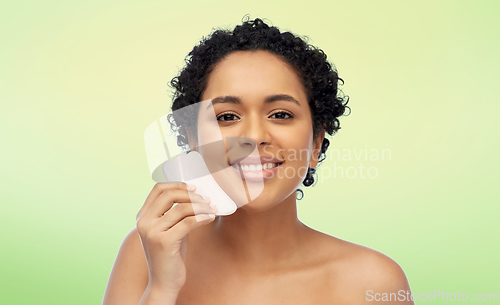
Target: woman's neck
[{"x": 260, "y": 241}]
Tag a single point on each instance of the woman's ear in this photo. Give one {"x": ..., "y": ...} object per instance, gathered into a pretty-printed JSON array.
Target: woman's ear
[{"x": 317, "y": 143}]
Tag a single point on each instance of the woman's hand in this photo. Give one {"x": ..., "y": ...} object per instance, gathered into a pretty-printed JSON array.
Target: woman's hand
[{"x": 164, "y": 229}]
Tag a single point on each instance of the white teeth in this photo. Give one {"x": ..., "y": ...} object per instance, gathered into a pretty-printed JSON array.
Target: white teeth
[{"x": 255, "y": 168}]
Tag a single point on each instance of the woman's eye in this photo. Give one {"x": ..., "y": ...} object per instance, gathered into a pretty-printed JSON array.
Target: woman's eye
[
  {"x": 225, "y": 117},
  {"x": 282, "y": 115}
]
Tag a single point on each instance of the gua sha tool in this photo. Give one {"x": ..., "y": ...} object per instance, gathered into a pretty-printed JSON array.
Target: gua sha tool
[{"x": 192, "y": 169}]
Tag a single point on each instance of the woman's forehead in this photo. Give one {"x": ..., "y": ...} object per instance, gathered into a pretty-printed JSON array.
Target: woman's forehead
[{"x": 253, "y": 74}]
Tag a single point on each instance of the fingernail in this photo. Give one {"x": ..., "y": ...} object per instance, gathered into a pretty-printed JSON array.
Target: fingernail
[
  {"x": 207, "y": 199},
  {"x": 202, "y": 217},
  {"x": 214, "y": 207},
  {"x": 191, "y": 187}
]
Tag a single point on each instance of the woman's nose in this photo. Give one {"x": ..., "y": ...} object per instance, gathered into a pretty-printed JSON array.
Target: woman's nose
[{"x": 255, "y": 132}]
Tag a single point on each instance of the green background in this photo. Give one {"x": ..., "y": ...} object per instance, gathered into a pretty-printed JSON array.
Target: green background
[{"x": 81, "y": 80}]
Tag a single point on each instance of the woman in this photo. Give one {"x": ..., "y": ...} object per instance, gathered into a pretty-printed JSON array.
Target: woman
[{"x": 262, "y": 253}]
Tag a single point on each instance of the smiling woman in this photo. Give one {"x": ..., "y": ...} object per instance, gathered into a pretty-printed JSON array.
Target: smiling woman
[
  {"x": 282, "y": 94},
  {"x": 268, "y": 104}
]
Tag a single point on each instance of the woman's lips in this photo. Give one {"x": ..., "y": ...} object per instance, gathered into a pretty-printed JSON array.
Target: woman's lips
[{"x": 257, "y": 175}]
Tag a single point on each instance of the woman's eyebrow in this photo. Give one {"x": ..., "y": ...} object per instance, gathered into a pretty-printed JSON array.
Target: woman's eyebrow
[{"x": 269, "y": 99}]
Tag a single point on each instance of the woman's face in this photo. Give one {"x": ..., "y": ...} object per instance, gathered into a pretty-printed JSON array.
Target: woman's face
[{"x": 268, "y": 106}]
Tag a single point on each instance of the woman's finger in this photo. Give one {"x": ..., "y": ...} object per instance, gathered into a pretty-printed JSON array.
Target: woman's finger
[
  {"x": 157, "y": 190},
  {"x": 183, "y": 227},
  {"x": 167, "y": 199},
  {"x": 183, "y": 210}
]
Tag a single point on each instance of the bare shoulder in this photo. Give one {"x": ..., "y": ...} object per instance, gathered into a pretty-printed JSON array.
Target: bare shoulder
[
  {"x": 356, "y": 273},
  {"x": 129, "y": 276}
]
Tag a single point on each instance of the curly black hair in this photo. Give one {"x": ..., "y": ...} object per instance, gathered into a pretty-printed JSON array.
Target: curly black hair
[{"x": 320, "y": 78}]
